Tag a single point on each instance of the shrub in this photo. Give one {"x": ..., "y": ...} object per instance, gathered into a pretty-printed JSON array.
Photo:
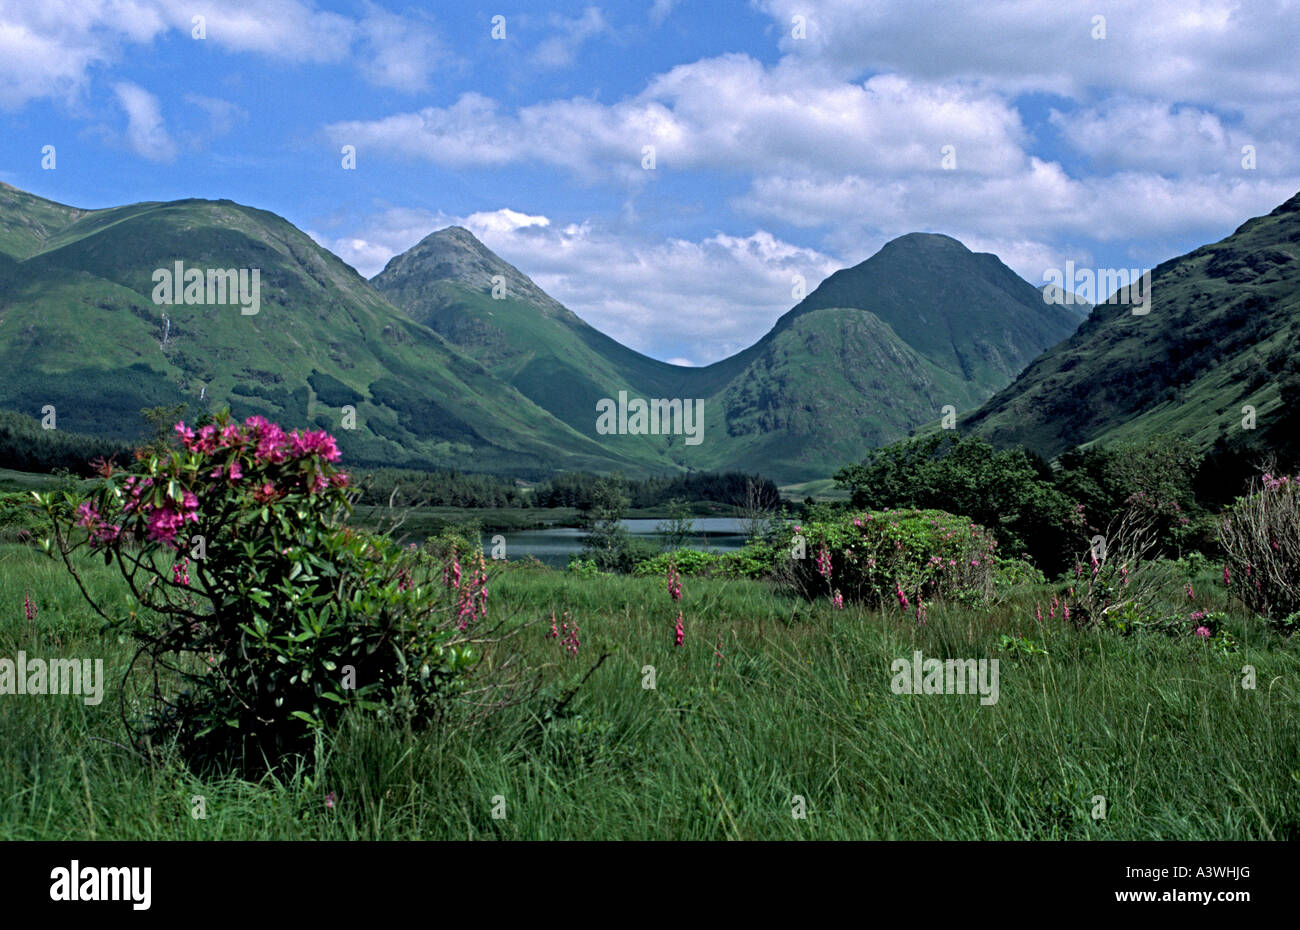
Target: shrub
[
  {"x": 689, "y": 562},
  {"x": 750, "y": 562},
  {"x": 1011, "y": 575},
  {"x": 1119, "y": 573},
  {"x": 262, "y": 616},
  {"x": 18, "y": 519},
  {"x": 1155, "y": 476},
  {"x": 903, "y": 557},
  {"x": 1009, "y": 491},
  {"x": 1260, "y": 535}
]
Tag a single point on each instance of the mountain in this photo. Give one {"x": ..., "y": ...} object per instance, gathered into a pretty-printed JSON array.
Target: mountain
[
  {"x": 80, "y": 330},
  {"x": 870, "y": 354},
  {"x": 1067, "y": 299},
  {"x": 452, "y": 358},
  {"x": 1221, "y": 334},
  {"x": 526, "y": 338}
]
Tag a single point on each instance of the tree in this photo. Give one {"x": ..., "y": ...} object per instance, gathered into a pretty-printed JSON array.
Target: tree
[
  {"x": 676, "y": 530},
  {"x": 601, "y": 515}
]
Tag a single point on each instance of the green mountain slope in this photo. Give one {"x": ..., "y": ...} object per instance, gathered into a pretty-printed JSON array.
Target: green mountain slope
[
  {"x": 79, "y": 330},
  {"x": 965, "y": 311},
  {"x": 873, "y": 352},
  {"x": 1221, "y": 334}
]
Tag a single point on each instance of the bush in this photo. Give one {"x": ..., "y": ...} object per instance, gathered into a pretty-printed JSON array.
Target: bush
[
  {"x": 690, "y": 563},
  {"x": 1155, "y": 477},
  {"x": 19, "y": 520},
  {"x": 1260, "y": 536},
  {"x": 1011, "y": 575},
  {"x": 1009, "y": 491},
  {"x": 750, "y": 562},
  {"x": 262, "y": 614},
  {"x": 905, "y": 557},
  {"x": 1120, "y": 572}
]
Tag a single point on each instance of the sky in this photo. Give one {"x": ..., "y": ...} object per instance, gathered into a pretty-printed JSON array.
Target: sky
[{"x": 790, "y": 138}]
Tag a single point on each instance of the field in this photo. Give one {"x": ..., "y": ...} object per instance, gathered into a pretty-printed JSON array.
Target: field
[{"x": 798, "y": 703}]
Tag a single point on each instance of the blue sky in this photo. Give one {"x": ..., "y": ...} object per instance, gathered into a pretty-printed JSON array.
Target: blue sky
[{"x": 791, "y": 137}]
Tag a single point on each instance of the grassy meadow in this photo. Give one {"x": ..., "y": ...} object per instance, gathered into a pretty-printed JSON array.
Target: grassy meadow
[{"x": 798, "y": 703}]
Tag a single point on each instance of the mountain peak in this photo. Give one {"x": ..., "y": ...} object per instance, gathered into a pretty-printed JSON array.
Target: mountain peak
[
  {"x": 456, "y": 255},
  {"x": 925, "y": 241}
]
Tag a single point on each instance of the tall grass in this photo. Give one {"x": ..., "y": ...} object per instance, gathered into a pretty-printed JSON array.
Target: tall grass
[{"x": 799, "y": 704}]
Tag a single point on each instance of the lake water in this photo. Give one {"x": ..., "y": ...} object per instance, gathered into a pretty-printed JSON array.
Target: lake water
[{"x": 554, "y": 545}]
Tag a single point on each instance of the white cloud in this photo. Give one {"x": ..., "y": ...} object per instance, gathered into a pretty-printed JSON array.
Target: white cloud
[
  {"x": 223, "y": 115},
  {"x": 398, "y": 52},
  {"x": 660, "y": 10},
  {"x": 1146, "y": 135},
  {"x": 504, "y": 220},
  {"x": 146, "y": 133},
  {"x": 728, "y": 113},
  {"x": 1218, "y": 52},
  {"x": 699, "y": 299},
  {"x": 49, "y": 48},
  {"x": 559, "y": 51}
]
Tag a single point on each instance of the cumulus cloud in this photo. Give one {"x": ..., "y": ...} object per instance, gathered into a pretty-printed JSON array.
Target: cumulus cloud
[
  {"x": 729, "y": 113},
  {"x": 48, "y": 49},
  {"x": 694, "y": 300},
  {"x": 1148, "y": 135},
  {"x": 1219, "y": 52}
]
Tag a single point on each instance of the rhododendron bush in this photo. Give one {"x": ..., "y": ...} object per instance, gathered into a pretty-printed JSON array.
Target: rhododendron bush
[
  {"x": 899, "y": 557},
  {"x": 262, "y": 615}
]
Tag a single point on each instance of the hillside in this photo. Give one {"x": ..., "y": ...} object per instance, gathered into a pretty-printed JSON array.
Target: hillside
[
  {"x": 443, "y": 374},
  {"x": 79, "y": 329},
  {"x": 872, "y": 353},
  {"x": 1221, "y": 334}
]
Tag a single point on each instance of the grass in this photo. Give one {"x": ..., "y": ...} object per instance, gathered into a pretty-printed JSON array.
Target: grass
[{"x": 800, "y": 705}]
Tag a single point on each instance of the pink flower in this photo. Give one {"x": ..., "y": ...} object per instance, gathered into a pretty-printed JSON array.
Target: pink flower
[
  {"x": 679, "y": 632},
  {"x": 1203, "y": 631},
  {"x": 29, "y": 608},
  {"x": 1227, "y": 577},
  {"x": 838, "y": 600},
  {"x": 313, "y": 442},
  {"x": 329, "y": 800},
  {"x": 1190, "y": 593},
  {"x": 88, "y": 515}
]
